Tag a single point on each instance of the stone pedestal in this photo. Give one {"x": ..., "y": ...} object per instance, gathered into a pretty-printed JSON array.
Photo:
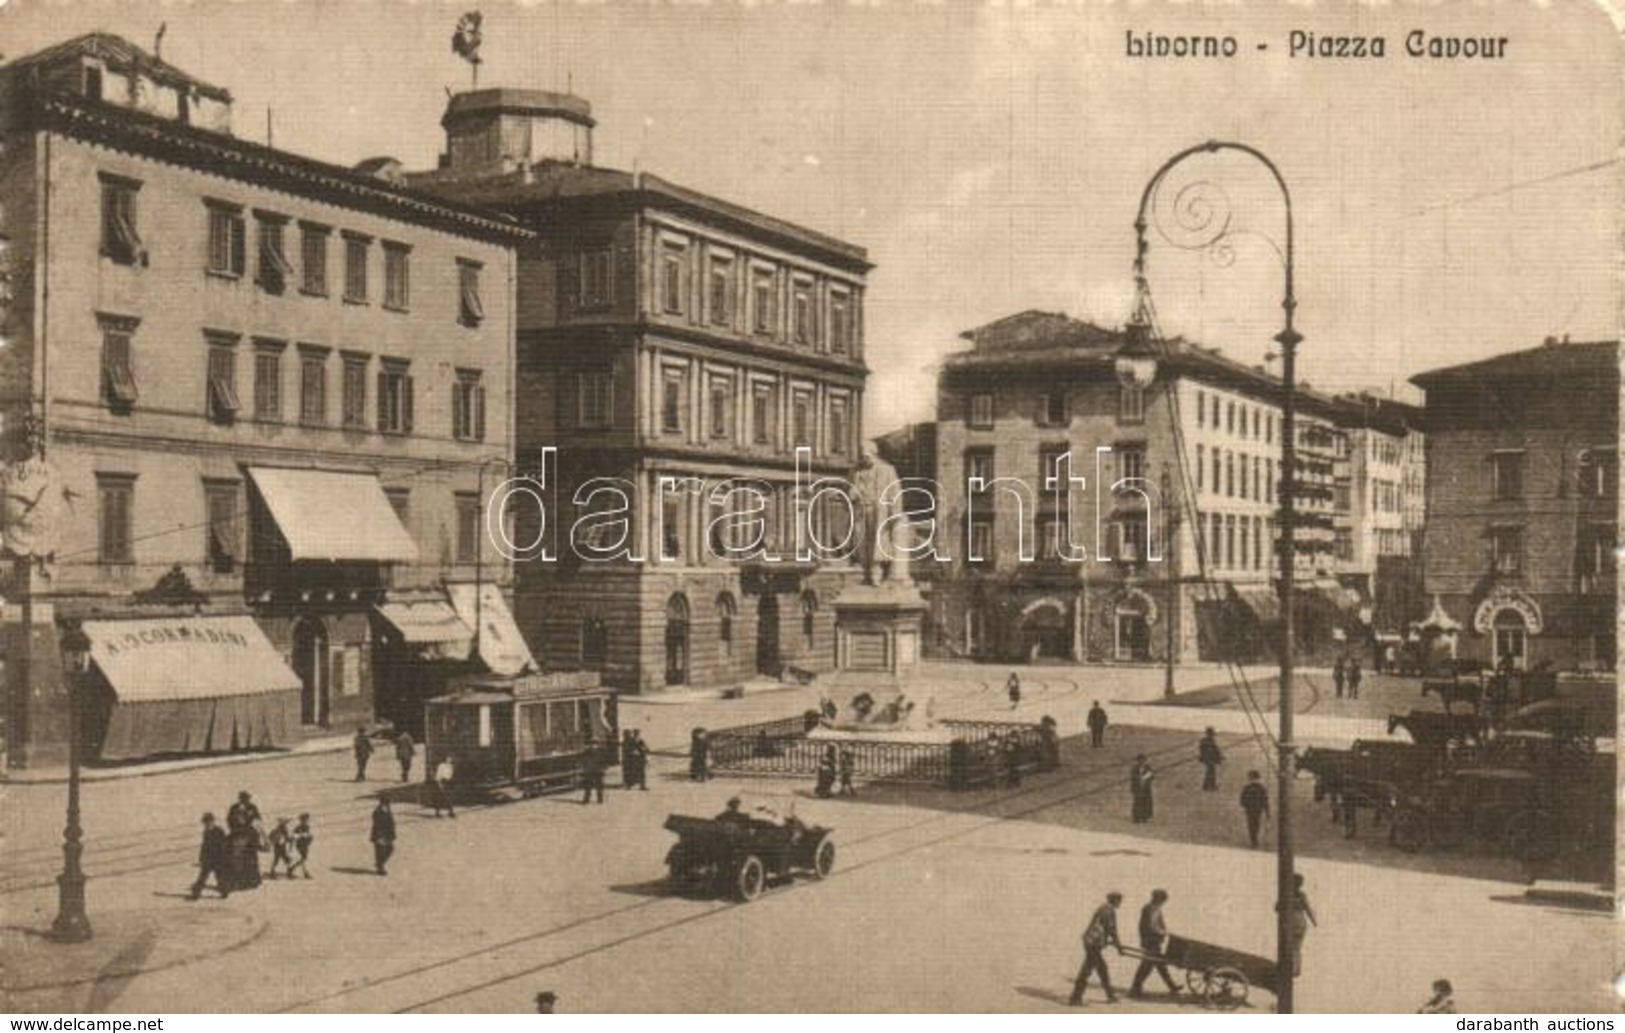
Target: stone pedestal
[{"x": 878, "y": 628}]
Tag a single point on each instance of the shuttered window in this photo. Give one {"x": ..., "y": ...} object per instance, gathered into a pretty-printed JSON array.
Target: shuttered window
[
  {"x": 223, "y": 403},
  {"x": 468, "y": 406},
  {"x": 118, "y": 370},
  {"x": 115, "y": 497},
  {"x": 470, "y": 308},
  {"x": 227, "y": 249},
  {"x": 120, "y": 241}
]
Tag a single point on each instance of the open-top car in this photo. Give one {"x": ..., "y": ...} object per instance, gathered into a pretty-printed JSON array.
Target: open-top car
[{"x": 743, "y": 854}]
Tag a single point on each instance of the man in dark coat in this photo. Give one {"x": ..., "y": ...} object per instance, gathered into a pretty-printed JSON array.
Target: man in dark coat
[
  {"x": 1012, "y": 688},
  {"x": 848, "y": 767},
  {"x": 211, "y": 860},
  {"x": 634, "y": 761},
  {"x": 302, "y": 839},
  {"x": 1153, "y": 936},
  {"x": 1102, "y": 932},
  {"x": 1255, "y": 803},
  {"x": 1097, "y": 725},
  {"x": 383, "y": 836},
  {"x": 592, "y": 771},
  {"x": 1354, "y": 678},
  {"x": 1139, "y": 783},
  {"x": 405, "y": 750},
  {"x": 1209, "y": 754},
  {"x": 699, "y": 756},
  {"x": 824, "y": 787},
  {"x": 1339, "y": 675},
  {"x": 363, "y": 753}
]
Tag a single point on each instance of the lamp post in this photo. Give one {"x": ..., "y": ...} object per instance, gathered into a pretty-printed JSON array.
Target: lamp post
[
  {"x": 72, "y": 924},
  {"x": 1204, "y": 218},
  {"x": 1170, "y": 524}
]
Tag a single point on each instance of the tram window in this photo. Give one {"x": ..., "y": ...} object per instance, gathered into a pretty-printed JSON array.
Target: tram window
[
  {"x": 485, "y": 724},
  {"x": 562, "y": 720}
]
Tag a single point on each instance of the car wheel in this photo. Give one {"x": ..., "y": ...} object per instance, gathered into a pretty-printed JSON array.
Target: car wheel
[
  {"x": 752, "y": 878},
  {"x": 824, "y": 858}
]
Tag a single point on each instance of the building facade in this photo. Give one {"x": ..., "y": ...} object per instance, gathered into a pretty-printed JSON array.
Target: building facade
[
  {"x": 1523, "y": 488},
  {"x": 669, "y": 343},
  {"x": 246, "y": 384}
]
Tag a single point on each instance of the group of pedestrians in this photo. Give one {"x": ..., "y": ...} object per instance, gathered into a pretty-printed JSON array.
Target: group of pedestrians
[
  {"x": 406, "y": 750},
  {"x": 835, "y": 765},
  {"x": 231, "y": 855},
  {"x": 1346, "y": 673}
]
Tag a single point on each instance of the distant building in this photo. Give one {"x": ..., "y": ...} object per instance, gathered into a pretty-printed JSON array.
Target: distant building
[
  {"x": 671, "y": 341},
  {"x": 1523, "y": 488},
  {"x": 260, "y": 393},
  {"x": 1181, "y": 455}
]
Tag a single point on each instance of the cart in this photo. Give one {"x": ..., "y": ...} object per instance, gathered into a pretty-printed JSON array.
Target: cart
[
  {"x": 1219, "y": 976},
  {"x": 743, "y": 855}
]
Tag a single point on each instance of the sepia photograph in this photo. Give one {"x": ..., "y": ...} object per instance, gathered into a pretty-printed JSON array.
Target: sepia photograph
[{"x": 835, "y": 506}]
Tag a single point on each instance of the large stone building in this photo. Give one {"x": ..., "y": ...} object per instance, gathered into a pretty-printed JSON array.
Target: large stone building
[
  {"x": 1179, "y": 447},
  {"x": 248, "y": 401},
  {"x": 1523, "y": 489},
  {"x": 669, "y": 341}
]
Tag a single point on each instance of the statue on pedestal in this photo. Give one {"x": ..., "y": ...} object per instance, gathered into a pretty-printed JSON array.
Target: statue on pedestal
[{"x": 888, "y": 565}]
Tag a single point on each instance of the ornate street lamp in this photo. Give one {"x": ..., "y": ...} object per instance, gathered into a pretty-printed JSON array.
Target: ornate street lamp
[
  {"x": 1203, "y": 219},
  {"x": 72, "y": 924}
]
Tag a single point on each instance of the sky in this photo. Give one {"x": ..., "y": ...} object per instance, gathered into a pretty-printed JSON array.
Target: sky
[{"x": 991, "y": 156}]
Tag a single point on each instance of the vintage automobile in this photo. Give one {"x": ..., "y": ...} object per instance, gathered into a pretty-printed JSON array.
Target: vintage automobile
[{"x": 739, "y": 854}]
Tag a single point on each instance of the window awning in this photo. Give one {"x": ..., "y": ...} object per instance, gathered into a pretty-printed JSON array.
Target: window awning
[
  {"x": 501, "y": 645},
  {"x": 427, "y": 623},
  {"x": 335, "y": 517},
  {"x": 1263, "y": 602}
]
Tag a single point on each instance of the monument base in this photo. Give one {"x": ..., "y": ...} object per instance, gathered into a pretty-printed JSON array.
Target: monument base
[{"x": 878, "y": 628}]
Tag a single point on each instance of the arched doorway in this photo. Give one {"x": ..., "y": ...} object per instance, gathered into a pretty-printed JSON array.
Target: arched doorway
[
  {"x": 1511, "y": 639},
  {"x": 1046, "y": 633},
  {"x": 727, "y": 610},
  {"x": 310, "y": 663},
  {"x": 677, "y": 640},
  {"x": 1133, "y": 630},
  {"x": 767, "y": 634}
]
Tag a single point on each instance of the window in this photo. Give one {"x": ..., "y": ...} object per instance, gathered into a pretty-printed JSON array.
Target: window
[
  {"x": 1131, "y": 463},
  {"x": 1269, "y": 480},
  {"x": 594, "y": 641},
  {"x": 726, "y": 611},
  {"x": 801, "y": 421},
  {"x": 1230, "y": 475},
  {"x": 1230, "y": 417},
  {"x": 1201, "y": 469},
  {"x": 673, "y": 400},
  {"x": 1052, "y": 409},
  {"x": 93, "y": 82},
  {"x": 468, "y": 527},
  {"x": 1131, "y": 538},
  {"x": 115, "y": 499},
  {"x": 722, "y": 413},
  {"x": 978, "y": 466},
  {"x": 597, "y": 288},
  {"x": 672, "y": 513},
  {"x": 840, "y": 431},
  {"x": 1599, "y": 473},
  {"x": 672, "y": 262},
  {"x": 1130, "y": 404},
  {"x": 222, "y": 402},
  {"x": 1597, "y": 560},
  {"x": 1051, "y": 538},
  {"x": 1506, "y": 474},
  {"x": 1506, "y": 550},
  {"x": 1201, "y": 409},
  {"x": 1246, "y": 466},
  {"x": 761, "y": 414},
  {"x": 120, "y": 241},
  {"x": 355, "y": 267},
  {"x": 355, "y": 391},
  {"x": 394, "y": 398},
  {"x": 267, "y": 380},
  {"x": 809, "y": 618},
  {"x": 981, "y": 411},
  {"x": 1343, "y": 544},
  {"x": 1230, "y": 541},
  {"x": 312, "y": 386},
  {"x": 981, "y": 542},
  {"x": 220, "y": 543},
  {"x": 840, "y": 323},
  {"x": 397, "y": 276},
  {"x": 226, "y": 240},
  {"x": 722, "y": 282},
  {"x": 595, "y": 398},
  {"x": 803, "y": 324},
  {"x": 274, "y": 268},
  {"x": 118, "y": 369},
  {"x": 761, "y": 294},
  {"x": 468, "y": 406},
  {"x": 470, "y": 309},
  {"x": 1258, "y": 543},
  {"x": 313, "y": 254}
]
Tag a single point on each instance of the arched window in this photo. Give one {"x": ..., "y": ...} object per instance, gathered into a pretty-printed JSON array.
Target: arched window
[
  {"x": 677, "y": 639},
  {"x": 594, "y": 641},
  {"x": 726, "y": 611},
  {"x": 809, "y": 616}
]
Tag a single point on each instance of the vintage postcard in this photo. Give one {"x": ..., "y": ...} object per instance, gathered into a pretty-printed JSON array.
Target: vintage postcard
[{"x": 749, "y": 507}]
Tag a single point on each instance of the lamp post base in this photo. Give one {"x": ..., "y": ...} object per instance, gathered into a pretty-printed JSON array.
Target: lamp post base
[{"x": 72, "y": 924}]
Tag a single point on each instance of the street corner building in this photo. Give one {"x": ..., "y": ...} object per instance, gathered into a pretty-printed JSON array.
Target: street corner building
[
  {"x": 1169, "y": 547},
  {"x": 249, "y": 404},
  {"x": 671, "y": 342}
]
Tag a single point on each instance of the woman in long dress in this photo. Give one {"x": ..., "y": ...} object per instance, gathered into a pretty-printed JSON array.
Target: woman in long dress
[
  {"x": 243, "y": 824},
  {"x": 1139, "y": 779}
]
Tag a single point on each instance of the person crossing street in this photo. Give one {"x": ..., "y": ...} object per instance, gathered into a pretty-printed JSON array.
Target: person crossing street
[
  {"x": 1153, "y": 938},
  {"x": 1101, "y": 933}
]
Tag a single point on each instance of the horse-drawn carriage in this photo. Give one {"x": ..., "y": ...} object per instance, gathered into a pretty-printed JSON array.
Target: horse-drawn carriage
[{"x": 739, "y": 854}]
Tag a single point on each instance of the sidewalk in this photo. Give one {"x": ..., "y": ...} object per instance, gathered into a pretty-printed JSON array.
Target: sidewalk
[{"x": 58, "y": 774}]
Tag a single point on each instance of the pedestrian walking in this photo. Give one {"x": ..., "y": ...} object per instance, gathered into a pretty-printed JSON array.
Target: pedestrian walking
[
  {"x": 1339, "y": 675},
  {"x": 1443, "y": 1001},
  {"x": 1102, "y": 931},
  {"x": 1097, "y": 725},
  {"x": 1303, "y": 916},
  {"x": 699, "y": 756},
  {"x": 405, "y": 750},
  {"x": 1354, "y": 678},
  {"x": 363, "y": 752},
  {"x": 592, "y": 771},
  {"x": 212, "y": 860},
  {"x": 824, "y": 787},
  {"x": 244, "y": 830},
  {"x": 546, "y": 1002},
  {"x": 1153, "y": 937},
  {"x": 445, "y": 773},
  {"x": 634, "y": 761},
  {"x": 1140, "y": 777},
  {"x": 1012, "y": 688},
  {"x": 383, "y": 836},
  {"x": 848, "y": 766},
  {"x": 302, "y": 838},
  {"x": 281, "y": 840},
  {"x": 1208, "y": 752},
  {"x": 1255, "y": 804}
]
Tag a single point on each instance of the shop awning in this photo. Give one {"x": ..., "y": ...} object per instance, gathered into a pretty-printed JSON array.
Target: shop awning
[
  {"x": 336, "y": 517},
  {"x": 502, "y": 648},
  {"x": 426, "y": 623},
  {"x": 1262, "y": 601},
  {"x": 193, "y": 684}
]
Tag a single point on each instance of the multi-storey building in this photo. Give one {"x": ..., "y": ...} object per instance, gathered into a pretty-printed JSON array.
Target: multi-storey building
[
  {"x": 670, "y": 342},
  {"x": 254, "y": 396},
  {"x": 1180, "y": 456},
  {"x": 1381, "y": 510},
  {"x": 1523, "y": 487}
]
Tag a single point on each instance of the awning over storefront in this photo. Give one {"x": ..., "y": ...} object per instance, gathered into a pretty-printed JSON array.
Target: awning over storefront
[
  {"x": 501, "y": 646},
  {"x": 432, "y": 626},
  {"x": 334, "y": 516},
  {"x": 1262, "y": 601},
  {"x": 193, "y": 684}
]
